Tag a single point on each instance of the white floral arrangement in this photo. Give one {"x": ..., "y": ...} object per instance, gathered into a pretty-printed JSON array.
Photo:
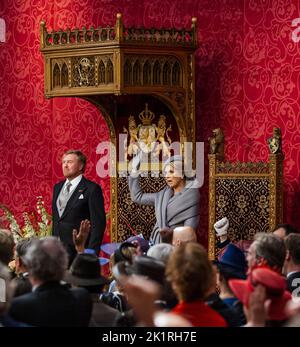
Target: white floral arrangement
[{"x": 35, "y": 224}]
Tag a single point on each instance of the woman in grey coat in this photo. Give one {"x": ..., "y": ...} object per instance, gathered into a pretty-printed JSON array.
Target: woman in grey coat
[{"x": 175, "y": 205}]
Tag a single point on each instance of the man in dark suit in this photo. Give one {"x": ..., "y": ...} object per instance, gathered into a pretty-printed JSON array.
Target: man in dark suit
[
  {"x": 50, "y": 303},
  {"x": 292, "y": 263},
  {"x": 76, "y": 199}
]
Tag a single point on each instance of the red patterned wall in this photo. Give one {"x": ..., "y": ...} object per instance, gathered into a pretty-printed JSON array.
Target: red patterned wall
[{"x": 247, "y": 81}]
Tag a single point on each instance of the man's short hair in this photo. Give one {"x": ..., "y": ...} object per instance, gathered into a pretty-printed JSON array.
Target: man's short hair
[
  {"x": 289, "y": 229},
  {"x": 6, "y": 246},
  {"x": 46, "y": 259},
  {"x": 161, "y": 251},
  {"x": 80, "y": 155},
  {"x": 190, "y": 271},
  {"x": 22, "y": 246},
  {"x": 292, "y": 243},
  {"x": 270, "y": 248}
]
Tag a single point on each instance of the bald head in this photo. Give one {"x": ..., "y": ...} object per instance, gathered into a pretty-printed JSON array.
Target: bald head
[{"x": 183, "y": 235}]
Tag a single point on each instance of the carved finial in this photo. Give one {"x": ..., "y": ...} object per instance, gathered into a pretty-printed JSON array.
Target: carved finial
[
  {"x": 119, "y": 28},
  {"x": 216, "y": 143},
  {"x": 275, "y": 141},
  {"x": 43, "y": 30},
  {"x": 194, "y": 30}
]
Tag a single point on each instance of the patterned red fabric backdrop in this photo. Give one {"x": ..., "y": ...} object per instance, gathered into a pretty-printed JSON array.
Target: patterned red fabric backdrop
[{"x": 247, "y": 81}]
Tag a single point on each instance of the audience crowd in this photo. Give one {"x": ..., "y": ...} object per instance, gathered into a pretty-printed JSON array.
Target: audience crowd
[{"x": 171, "y": 284}]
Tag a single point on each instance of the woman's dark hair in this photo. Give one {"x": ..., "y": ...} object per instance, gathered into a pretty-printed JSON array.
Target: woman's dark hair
[{"x": 124, "y": 252}]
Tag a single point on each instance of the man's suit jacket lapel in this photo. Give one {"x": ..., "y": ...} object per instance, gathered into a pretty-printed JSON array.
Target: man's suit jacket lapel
[{"x": 75, "y": 195}]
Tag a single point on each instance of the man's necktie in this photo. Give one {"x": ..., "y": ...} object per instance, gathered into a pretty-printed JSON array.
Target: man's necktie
[{"x": 64, "y": 197}]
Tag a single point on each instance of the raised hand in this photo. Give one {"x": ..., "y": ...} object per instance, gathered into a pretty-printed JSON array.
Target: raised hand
[
  {"x": 141, "y": 294},
  {"x": 79, "y": 238},
  {"x": 258, "y": 307}
]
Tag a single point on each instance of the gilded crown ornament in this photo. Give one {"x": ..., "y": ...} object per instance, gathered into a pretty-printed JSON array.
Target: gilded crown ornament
[
  {"x": 147, "y": 135},
  {"x": 146, "y": 116}
]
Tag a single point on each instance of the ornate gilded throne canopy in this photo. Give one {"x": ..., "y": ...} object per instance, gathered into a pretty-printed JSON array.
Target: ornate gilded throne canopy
[{"x": 107, "y": 65}]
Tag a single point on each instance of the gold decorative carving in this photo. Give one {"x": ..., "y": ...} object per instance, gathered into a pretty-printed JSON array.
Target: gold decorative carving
[
  {"x": 162, "y": 131},
  {"x": 216, "y": 143},
  {"x": 118, "y": 34},
  {"x": 147, "y": 135},
  {"x": 275, "y": 141},
  {"x": 242, "y": 168},
  {"x": 152, "y": 70},
  {"x": 83, "y": 72}
]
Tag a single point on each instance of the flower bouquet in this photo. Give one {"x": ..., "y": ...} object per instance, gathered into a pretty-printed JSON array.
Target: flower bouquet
[{"x": 36, "y": 223}]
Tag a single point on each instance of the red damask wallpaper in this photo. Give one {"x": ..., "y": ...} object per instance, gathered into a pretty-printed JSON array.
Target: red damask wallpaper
[{"x": 247, "y": 81}]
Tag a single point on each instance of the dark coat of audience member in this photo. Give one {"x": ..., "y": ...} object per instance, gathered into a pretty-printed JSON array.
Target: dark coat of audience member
[
  {"x": 232, "y": 264},
  {"x": 22, "y": 284},
  {"x": 21, "y": 281},
  {"x": 50, "y": 303},
  {"x": 85, "y": 272},
  {"x": 231, "y": 316},
  {"x": 293, "y": 283},
  {"x": 292, "y": 264},
  {"x": 53, "y": 304}
]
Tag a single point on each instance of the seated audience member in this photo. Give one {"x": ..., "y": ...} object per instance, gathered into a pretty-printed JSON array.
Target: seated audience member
[
  {"x": 50, "y": 303},
  {"x": 161, "y": 251},
  {"x": 214, "y": 301},
  {"x": 6, "y": 295},
  {"x": 183, "y": 234},
  {"x": 125, "y": 252},
  {"x": 152, "y": 269},
  {"x": 221, "y": 228},
  {"x": 191, "y": 276},
  {"x": 21, "y": 281},
  {"x": 275, "y": 298},
  {"x": 292, "y": 263},
  {"x": 142, "y": 244},
  {"x": 142, "y": 294},
  {"x": 6, "y": 246},
  {"x": 232, "y": 264},
  {"x": 267, "y": 249},
  {"x": 166, "y": 235},
  {"x": 85, "y": 272},
  {"x": 283, "y": 230}
]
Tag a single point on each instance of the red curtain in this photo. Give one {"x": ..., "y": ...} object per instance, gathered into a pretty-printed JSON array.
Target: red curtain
[{"x": 247, "y": 81}]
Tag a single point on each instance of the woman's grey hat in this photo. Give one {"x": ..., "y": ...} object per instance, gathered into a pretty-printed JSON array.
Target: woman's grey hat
[
  {"x": 173, "y": 159},
  {"x": 187, "y": 170}
]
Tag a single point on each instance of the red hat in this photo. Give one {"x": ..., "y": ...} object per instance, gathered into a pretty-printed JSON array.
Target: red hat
[{"x": 275, "y": 286}]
